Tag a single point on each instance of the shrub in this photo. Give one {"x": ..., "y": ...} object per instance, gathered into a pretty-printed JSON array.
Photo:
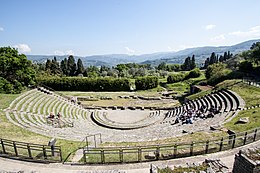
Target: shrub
[
  {"x": 144, "y": 83},
  {"x": 175, "y": 77},
  {"x": 193, "y": 73},
  {"x": 216, "y": 73}
]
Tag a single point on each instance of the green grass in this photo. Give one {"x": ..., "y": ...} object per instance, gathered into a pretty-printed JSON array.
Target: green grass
[
  {"x": 250, "y": 94},
  {"x": 183, "y": 87},
  {"x": 199, "y": 94},
  {"x": 6, "y": 99},
  {"x": 12, "y": 132},
  {"x": 195, "y": 169},
  {"x": 254, "y": 120}
]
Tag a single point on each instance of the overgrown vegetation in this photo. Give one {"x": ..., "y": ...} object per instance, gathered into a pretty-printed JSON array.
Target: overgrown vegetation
[{"x": 179, "y": 169}]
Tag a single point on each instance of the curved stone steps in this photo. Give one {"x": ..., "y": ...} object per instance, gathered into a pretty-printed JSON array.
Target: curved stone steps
[
  {"x": 239, "y": 100},
  {"x": 36, "y": 105},
  {"x": 11, "y": 119},
  {"x": 29, "y": 102},
  {"x": 50, "y": 104},
  {"x": 225, "y": 102},
  {"x": 19, "y": 103},
  {"x": 213, "y": 100},
  {"x": 42, "y": 106},
  {"x": 220, "y": 101},
  {"x": 231, "y": 100},
  {"x": 32, "y": 104},
  {"x": 14, "y": 102},
  {"x": 54, "y": 106}
]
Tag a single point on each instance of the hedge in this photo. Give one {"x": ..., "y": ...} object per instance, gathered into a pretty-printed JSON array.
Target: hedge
[
  {"x": 85, "y": 84},
  {"x": 144, "y": 83}
]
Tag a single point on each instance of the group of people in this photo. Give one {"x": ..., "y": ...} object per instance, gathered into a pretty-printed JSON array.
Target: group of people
[
  {"x": 52, "y": 116},
  {"x": 190, "y": 115}
]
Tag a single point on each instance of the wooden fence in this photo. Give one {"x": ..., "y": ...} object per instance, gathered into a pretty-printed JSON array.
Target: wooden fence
[
  {"x": 29, "y": 151},
  {"x": 162, "y": 152}
]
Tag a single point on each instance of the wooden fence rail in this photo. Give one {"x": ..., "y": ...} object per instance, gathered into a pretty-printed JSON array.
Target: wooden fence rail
[
  {"x": 162, "y": 152},
  {"x": 29, "y": 151}
]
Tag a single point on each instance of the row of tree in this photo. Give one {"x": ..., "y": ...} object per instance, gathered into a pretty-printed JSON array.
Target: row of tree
[
  {"x": 216, "y": 58},
  {"x": 68, "y": 67}
]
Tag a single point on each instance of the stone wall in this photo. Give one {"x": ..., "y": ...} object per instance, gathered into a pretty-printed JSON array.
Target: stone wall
[{"x": 243, "y": 164}]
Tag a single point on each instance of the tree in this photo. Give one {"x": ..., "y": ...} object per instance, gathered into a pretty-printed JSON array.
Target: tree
[
  {"x": 48, "y": 65},
  {"x": 80, "y": 67},
  {"x": 254, "y": 53},
  {"x": 246, "y": 66},
  {"x": 216, "y": 73},
  {"x": 189, "y": 63},
  {"x": 162, "y": 66},
  {"x": 16, "y": 71},
  {"x": 55, "y": 67},
  {"x": 72, "y": 67},
  {"x": 64, "y": 66},
  {"x": 193, "y": 63}
]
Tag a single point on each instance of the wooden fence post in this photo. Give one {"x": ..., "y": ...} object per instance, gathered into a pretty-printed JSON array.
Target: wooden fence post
[
  {"x": 3, "y": 146},
  {"x": 84, "y": 156},
  {"x": 245, "y": 138},
  {"x": 29, "y": 151},
  {"x": 121, "y": 155},
  {"x": 234, "y": 141},
  {"x": 207, "y": 147},
  {"x": 102, "y": 156},
  {"x": 221, "y": 144},
  {"x": 157, "y": 153},
  {"x": 175, "y": 151},
  {"x": 44, "y": 152},
  {"x": 255, "y": 134},
  {"x": 139, "y": 154},
  {"x": 191, "y": 148},
  {"x": 15, "y": 149}
]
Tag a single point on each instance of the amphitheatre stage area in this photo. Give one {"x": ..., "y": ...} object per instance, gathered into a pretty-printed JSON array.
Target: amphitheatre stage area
[{"x": 128, "y": 134}]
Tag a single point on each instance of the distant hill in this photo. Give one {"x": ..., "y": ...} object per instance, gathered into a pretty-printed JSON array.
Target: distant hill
[{"x": 201, "y": 53}]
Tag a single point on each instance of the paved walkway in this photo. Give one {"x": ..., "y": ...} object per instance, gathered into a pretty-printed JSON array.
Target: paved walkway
[{"x": 14, "y": 166}]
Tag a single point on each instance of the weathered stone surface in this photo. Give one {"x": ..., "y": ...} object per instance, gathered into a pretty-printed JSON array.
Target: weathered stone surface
[{"x": 243, "y": 120}]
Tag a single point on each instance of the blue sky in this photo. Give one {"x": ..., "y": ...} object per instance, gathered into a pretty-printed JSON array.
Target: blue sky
[{"x": 91, "y": 27}]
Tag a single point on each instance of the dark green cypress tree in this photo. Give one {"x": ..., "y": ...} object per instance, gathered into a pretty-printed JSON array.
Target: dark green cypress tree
[
  {"x": 48, "y": 64},
  {"x": 80, "y": 67},
  {"x": 193, "y": 62},
  {"x": 72, "y": 67}
]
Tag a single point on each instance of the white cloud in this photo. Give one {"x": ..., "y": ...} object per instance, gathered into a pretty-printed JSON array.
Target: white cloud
[
  {"x": 209, "y": 27},
  {"x": 23, "y": 48},
  {"x": 170, "y": 48},
  {"x": 69, "y": 52},
  {"x": 178, "y": 48},
  {"x": 60, "y": 53},
  {"x": 218, "y": 38},
  {"x": 1, "y": 29},
  {"x": 129, "y": 51},
  {"x": 252, "y": 32}
]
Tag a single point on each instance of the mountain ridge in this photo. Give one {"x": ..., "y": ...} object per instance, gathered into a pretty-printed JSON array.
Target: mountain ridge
[{"x": 201, "y": 53}]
